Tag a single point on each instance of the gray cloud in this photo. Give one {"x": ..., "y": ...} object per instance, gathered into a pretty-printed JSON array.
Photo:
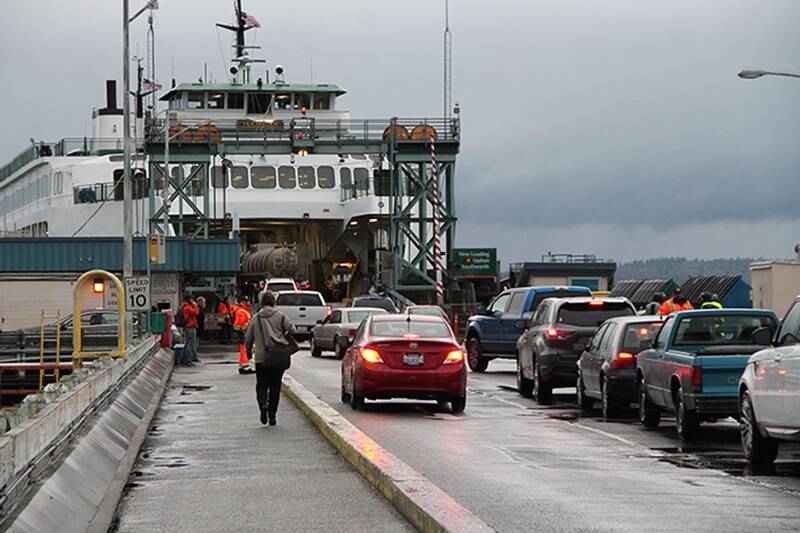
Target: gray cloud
[{"x": 613, "y": 115}]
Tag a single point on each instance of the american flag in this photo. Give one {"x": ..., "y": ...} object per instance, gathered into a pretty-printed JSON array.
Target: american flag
[
  {"x": 148, "y": 85},
  {"x": 251, "y": 21}
]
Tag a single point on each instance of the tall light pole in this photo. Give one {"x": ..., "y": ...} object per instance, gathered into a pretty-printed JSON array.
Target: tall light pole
[
  {"x": 127, "y": 188},
  {"x": 753, "y": 74}
]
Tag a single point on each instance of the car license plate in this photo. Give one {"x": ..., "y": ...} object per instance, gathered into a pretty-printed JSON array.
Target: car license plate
[{"x": 413, "y": 359}]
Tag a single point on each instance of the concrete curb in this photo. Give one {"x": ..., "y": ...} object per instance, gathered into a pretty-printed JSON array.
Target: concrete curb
[{"x": 422, "y": 503}]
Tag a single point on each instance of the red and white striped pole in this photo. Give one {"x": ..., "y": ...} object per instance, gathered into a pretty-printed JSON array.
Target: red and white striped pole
[{"x": 437, "y": 236}]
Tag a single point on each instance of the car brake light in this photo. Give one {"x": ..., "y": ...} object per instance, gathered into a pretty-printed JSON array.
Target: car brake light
[
  {"x": 553, "y": 333},
  {"x": 623, "y": 360},
  {"x": 371, "y": 356},
  {"x": 352, "y": 332},
  {"x": 596, "y": 303},
  {"x": 456, "y": 356},
  {"x": 697, "y": 379}
]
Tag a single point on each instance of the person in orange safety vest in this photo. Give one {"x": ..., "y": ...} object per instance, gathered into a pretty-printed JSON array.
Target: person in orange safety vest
[
  {"x": 241, "y": 320},
  {"x": 677, "y": 303}
]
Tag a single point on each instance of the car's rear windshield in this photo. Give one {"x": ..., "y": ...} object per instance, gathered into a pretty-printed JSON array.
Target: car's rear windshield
[
  {"x": 591, "y": 314},
  {"x": 379, "y": 303},
  {"x": 300, "y": 299},
  {"x": 280, "y": 286},
  {"x": 559, "y": 293},
  {"x": 355, "y": 317},
  {"x": 639, "y": 336},
  {"x": 404, "y": 328},
  {"x": 428, "y": 311},
  {"x": 720, "y": 330}
]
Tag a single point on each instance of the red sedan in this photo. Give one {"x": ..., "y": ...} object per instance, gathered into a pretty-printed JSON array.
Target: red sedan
[{"x": 404, "y": 356}]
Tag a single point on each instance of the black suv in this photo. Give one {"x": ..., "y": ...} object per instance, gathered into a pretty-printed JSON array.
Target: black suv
[{"x": 558, "y": 332}]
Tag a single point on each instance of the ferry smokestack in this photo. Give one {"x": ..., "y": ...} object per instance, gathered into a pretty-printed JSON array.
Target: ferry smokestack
[{"x": 111, "y": 94}]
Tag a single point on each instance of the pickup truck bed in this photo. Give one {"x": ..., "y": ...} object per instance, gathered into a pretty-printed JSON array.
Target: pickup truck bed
[{"x": 304, "y": 308}]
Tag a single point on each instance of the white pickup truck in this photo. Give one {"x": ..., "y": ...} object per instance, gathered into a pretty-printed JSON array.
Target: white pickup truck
[{"x": 304, "y": 308}]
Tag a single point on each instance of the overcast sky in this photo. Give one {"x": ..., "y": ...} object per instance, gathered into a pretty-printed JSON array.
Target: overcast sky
[{"x": 613, "y": 127}]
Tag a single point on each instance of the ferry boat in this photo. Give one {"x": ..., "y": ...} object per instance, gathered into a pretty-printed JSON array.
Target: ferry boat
[{"x": 293, "y": 210}]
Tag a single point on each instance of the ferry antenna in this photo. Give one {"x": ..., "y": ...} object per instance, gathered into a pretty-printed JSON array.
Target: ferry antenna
[{"x": 448, "y": 63}]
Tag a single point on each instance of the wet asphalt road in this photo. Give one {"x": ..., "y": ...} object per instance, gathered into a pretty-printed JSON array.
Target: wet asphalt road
[{"x": 522, "y": 467}]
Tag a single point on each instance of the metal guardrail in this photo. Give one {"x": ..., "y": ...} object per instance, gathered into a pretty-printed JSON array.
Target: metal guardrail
[
  {"x": 68, "y": 146},
  {"x": 303, "y": 130}
]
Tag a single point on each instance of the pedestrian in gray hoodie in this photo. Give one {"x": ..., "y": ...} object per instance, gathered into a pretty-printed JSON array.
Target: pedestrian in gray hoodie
[{"x": 270, "y": 337}]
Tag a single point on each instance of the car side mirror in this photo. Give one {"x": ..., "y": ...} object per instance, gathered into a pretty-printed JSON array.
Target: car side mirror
[
  {"x": 762, "y": 336},
  {"x": 521, "y": 324},
  {"x": 580, "y": 347}
]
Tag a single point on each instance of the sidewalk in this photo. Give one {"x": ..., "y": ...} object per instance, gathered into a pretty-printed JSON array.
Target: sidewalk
[{"x": 208, "y": 465}]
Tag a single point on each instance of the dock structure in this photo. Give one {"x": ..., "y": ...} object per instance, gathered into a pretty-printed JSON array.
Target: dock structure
[{"x": 403, "y": 181}]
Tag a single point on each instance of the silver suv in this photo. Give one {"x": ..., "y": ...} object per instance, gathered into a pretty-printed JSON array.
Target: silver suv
[{"x": 769, "y": 394}]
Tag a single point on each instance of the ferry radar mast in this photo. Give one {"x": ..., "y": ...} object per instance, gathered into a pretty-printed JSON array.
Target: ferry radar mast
[{"x": 240, "y": 68}]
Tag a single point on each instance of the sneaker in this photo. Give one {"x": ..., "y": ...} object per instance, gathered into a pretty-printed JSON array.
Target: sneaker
[{"x": 264, "y": 416}]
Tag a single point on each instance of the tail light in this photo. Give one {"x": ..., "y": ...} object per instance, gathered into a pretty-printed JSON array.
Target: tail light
[
  {"x": 553, "y": 333},
  {"x": 456, "y": 356},
  {"x": 623, "y": 360},
  {"x": 697, "y": 379},
  {"x": 371, "y": 356},
  {"x": 351, "y": 333}
]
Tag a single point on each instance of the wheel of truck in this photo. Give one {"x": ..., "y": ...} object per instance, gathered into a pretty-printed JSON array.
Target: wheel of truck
[
  {"x": 584, "y": 402},
  {"x": 475, "y": 359},
  {"x": 760, "y": 451},
  {"x": 649, "y": 415},
  {"x": 524, "y": 385},
  {"x": 686, "y": 421},
  {"x": 315, "y": 351},
  {"x": 542, "y": 392}
]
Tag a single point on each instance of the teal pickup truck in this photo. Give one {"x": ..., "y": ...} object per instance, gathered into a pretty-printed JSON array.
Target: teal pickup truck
[{"x": 695, "y": 363}]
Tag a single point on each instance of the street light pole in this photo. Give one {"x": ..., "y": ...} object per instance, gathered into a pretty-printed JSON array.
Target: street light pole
[{"x": 127, "y": 192}]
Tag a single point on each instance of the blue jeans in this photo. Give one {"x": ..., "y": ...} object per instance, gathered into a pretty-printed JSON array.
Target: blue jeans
[{"x": 190, "y": 345}]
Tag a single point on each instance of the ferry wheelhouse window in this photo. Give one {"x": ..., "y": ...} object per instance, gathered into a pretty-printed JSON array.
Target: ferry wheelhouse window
[
  {"x": 258, "y": 103},
  {"x": 322, "y": 101},
  {"x": 283, "y": 101},
  {"x": 325, "y": 178},
  {"x": 235, "y": 101},
  {"x": 196, "y": 101},
  {"x": 216, "y": 101},
  {"x": 286, "y": 177},
  {"x": 306, "y": 177},
  {"x": 239, "y": 178},
  {"x": 218, "y": 178},
  {"x": 263, "y": 177},
  {"x": 301, "y": 100}
]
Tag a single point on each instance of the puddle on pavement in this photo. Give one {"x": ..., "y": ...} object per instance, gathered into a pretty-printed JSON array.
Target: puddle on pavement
[
  {"x": 191, "y": 389},
  {"x": 188, "y": 403},
  {"x": 729, "y": 461}
]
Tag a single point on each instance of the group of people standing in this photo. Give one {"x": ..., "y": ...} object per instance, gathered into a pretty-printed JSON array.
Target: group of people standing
[
  {"x": 663, "y": 306},
  {"x": 268, "y": 336}
]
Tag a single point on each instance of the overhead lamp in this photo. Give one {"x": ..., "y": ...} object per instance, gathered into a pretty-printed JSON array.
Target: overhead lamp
[
  {"x": 373, "y": 220},
  {"x": 354, "y": 223}
]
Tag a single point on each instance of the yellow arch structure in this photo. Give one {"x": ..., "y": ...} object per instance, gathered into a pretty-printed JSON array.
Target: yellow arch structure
[{"x": 77, "y": 350}]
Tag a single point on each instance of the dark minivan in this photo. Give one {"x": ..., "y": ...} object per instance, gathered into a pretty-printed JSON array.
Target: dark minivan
[
  {"x": 555, "y": 337},
  {"x": 607, "y": 367}
]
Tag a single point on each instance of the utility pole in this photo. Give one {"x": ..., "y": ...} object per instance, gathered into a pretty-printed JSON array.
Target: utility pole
[{"x": 127, "y": 192}]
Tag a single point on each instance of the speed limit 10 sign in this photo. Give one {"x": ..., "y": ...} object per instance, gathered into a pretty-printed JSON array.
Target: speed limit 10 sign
[{"x": 137, "y": 294}]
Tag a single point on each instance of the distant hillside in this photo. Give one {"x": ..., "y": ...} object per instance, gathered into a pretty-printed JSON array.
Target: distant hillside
[{"x": 680, "y": 269}]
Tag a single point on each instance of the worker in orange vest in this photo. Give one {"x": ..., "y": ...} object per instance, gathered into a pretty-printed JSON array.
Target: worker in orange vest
[
  {"x": 677, "y": 303},
  {"x": 241, "y": 320}
]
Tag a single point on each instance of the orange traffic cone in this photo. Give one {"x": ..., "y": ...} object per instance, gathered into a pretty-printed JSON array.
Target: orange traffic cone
[{"x": 244, "y": 360}]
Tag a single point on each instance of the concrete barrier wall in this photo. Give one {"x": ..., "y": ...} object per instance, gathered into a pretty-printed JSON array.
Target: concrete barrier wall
[{"x": 21, "y": 445}]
